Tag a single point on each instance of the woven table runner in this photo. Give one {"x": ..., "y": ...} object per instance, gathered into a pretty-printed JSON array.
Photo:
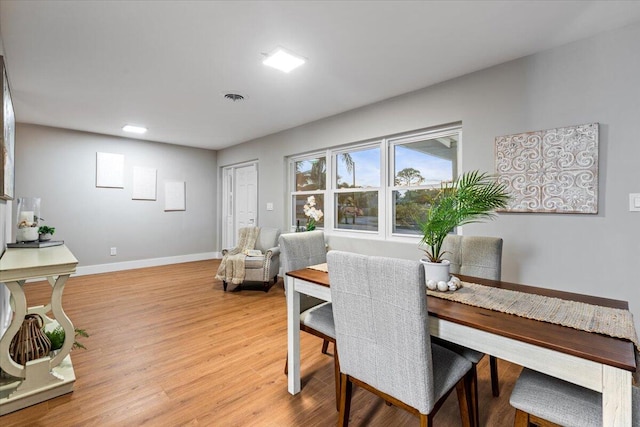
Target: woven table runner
[
  {"x": 613, "y": 322},
  {"x": 609, "y": 321},
  {"x": 320, "y": 267}
]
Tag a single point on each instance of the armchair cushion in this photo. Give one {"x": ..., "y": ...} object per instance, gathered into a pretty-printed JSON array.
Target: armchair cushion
[
  {"x": 254, "y": 262},
  {"x": 267, "y": 239}
]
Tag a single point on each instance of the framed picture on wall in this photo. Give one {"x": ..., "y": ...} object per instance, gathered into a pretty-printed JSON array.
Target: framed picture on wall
[
  {"x": 7, "y": 144},
  {"x": 550, "y": 171}
]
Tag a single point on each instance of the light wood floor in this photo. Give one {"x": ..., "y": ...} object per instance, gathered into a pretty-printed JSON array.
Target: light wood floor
[{"x": 169, "y": 348}]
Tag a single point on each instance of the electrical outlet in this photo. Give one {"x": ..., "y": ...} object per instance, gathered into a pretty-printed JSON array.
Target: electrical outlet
[{"x": 114, "y": 251}]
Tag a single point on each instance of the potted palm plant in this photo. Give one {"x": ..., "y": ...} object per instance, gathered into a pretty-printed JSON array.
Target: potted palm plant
[{"x": 473, "y": 197}]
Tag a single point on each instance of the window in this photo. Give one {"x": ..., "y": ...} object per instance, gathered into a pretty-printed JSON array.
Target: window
[
  {"x": 310, "y": 180},
  {"x": 379, "y": 188},
  {"x": 357, "y": 184},
  {"x": 420, "y": 164}
]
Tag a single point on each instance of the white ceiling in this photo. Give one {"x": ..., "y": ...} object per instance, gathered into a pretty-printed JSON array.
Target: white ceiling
[{"x": 97, "y": 65}]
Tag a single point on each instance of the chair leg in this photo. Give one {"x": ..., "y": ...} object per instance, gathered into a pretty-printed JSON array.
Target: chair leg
[
  {"x": 464, "y": 402},
  {"x": 540, "y": 422},
  {"x": 325, "y": 347},
  {"x": 472, "y": 382},
  {"x": 336, "y": 373},
  {"x": 495, "y": 385},
  {"x": 521, "y": 419},
  {"x": 286, "y": 365},
  {"x": 345, "y": 400},
  {"x": 224, "y": 285}
]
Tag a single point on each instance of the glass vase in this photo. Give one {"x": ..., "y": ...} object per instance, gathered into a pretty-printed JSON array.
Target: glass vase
[{"x": 28, "y": 219}]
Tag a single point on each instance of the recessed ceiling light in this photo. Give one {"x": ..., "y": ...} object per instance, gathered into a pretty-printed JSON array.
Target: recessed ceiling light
[
  {"x": 134, "y": 129},
  {"x": 283, "y": 60}
]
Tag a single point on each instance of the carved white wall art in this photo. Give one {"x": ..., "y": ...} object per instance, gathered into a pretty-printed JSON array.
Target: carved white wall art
[{"x": 553, "y": 170}]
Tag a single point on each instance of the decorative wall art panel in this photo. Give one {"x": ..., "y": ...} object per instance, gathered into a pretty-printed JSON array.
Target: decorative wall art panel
[
  {"x": 174, "y": 196},
  {"x": 109, "y": 170},
  {"x": 553, "y": 171},
  {"x": 144, "y": 183}
]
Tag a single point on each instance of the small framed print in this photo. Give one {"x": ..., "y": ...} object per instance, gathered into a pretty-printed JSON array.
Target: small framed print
[{"x": 174, "y": 196}]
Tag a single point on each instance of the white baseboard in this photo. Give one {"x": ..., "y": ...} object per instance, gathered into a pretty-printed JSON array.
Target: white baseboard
[{"x": 152, "y": 262}]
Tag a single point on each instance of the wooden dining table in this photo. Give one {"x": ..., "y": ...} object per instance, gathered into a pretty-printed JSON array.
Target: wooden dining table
[{"x": 598, "y": 362}]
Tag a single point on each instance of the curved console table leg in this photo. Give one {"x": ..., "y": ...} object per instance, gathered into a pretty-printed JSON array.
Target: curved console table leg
[
  {"x": 20, "y": 310},
  {"x": 63, "y": 320}
]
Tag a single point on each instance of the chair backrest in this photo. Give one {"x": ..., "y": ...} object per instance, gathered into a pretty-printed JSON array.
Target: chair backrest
[
  {"x": 267, "y": 238},
  {"x": 300, "y": 250},
  {"x": 381, "y": 320},
  {"x": 477, "y": 256}
]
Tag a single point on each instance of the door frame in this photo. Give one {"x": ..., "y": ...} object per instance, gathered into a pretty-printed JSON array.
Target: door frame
[{"x": 228, "y": 220}]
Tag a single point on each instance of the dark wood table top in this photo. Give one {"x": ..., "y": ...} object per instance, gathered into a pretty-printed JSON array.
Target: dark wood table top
[{"x": 587, "y": 345}]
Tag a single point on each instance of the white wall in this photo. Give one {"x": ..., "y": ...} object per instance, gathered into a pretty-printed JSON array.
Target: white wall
[
  {"x": 594, "y": 80},
  {"x": 59, "y": 166}
]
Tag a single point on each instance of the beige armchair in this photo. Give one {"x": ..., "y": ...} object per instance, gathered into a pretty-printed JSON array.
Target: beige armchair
[{"x": 264, "y": 267}]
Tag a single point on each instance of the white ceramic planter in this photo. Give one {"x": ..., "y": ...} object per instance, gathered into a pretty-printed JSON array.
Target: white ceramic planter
[{"x": 438, "y": 271}]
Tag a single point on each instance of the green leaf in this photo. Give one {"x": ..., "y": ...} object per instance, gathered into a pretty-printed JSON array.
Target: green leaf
[{"x": 472, "y": 198}]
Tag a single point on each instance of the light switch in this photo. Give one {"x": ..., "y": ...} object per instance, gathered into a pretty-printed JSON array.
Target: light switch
[
  {"x": 634, "y": 202},
  {"x": 269, "y": 206}
]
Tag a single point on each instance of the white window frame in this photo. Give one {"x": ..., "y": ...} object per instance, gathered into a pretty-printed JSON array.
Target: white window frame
[
  {"x": 294, "y": 192},
  {"x": 391, "y": 187},
  {"x": 386, "y": 146},
  {"x": 334, "y": 190}
]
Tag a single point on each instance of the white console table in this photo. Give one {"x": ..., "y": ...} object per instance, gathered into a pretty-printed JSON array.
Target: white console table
[{"x": 47, "y": 377}]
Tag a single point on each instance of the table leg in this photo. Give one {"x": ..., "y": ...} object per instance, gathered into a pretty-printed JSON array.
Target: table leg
[
  {"x": 19, "y": 311},
  {"x": 293, "y": 335},
  {"x": 63, "y": 320},
  {"x": 616, "y": 397}
]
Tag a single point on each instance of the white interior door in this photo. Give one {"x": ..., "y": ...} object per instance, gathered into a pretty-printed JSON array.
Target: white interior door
[{"x": 240, "y": 203}]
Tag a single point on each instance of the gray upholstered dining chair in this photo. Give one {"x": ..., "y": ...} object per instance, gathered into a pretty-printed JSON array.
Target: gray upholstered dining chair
[
  {"x": 300, "y": 250},
  {"x": 382, "y": 331},
  {"x": 477, "y": 256},
  {"x": 548, "y": 401}
]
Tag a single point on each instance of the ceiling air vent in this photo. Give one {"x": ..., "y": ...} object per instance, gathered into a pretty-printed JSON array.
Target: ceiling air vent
[{"x": 234, "y": 97}]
